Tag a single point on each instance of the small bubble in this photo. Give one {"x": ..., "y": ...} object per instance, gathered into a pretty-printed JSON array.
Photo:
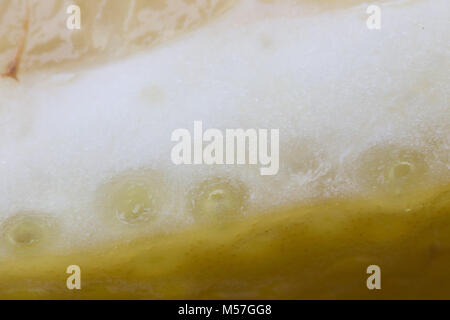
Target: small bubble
[
  {"x": 26, "y": 229},
  {"x": 218, "y": 199},
  {"x": 132, "y": 197},
  {"x": 401, "y": 170},
  {"x": 392, "y": 169},
  {"x": 134, "y": 204}
]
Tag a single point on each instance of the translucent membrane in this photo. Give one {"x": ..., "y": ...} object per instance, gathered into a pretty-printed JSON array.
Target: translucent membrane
[
  {"x": 109, "y": 28},
  {"x": 114, "y": 28}
]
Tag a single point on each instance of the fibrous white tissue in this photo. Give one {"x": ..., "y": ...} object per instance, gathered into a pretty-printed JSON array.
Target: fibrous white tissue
[{"x": 334, "y": 88}]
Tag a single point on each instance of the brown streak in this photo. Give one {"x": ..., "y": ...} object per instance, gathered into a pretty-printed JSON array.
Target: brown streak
[{"x": 13, "y": 67}]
